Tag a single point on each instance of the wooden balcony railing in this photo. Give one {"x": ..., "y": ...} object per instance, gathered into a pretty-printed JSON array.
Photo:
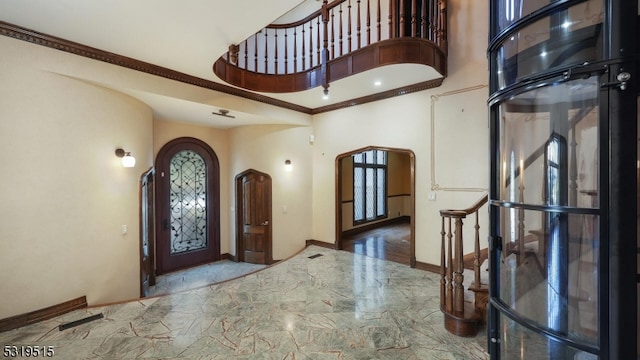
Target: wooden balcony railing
[
  {"x": 391, "y": 31},
  {"x": 462, "y": 318}
]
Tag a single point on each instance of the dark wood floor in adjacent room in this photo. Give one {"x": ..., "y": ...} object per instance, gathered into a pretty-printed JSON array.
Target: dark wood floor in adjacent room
[{"x": 391, "y": 242}]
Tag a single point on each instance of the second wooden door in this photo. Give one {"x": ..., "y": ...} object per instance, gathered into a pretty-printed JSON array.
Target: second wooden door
[{"x": 253, "y": 219}]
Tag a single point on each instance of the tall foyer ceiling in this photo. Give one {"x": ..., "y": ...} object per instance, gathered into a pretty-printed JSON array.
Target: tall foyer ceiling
[{"x": 188, "y": 37}]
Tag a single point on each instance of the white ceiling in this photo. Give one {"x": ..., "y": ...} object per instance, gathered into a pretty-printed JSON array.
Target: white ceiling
[{"x": 188, "y": 37}]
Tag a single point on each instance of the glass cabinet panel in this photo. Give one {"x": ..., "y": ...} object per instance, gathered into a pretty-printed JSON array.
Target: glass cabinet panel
[
  {"x": 571, "y": 37},
  {"x": 548, "y": 209},
  {"x": 549, "y": 270},
  {"x": 510, "y": 11},
  {"x": 520, "y": 343},
  {"x": 550, "y": 134}
]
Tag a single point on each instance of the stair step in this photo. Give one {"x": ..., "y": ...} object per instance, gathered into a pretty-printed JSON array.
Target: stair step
[
  {"x": 482, "y": 288},
  {"x": 464, "y": 324}
]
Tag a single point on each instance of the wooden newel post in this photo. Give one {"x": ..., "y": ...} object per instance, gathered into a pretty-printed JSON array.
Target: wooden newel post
[
  {"x": 458, "y": 290},
  {"x": 454, "y": 291},
  {"x": 443, "y": 266},
  {"x": 325, "y": 46}
]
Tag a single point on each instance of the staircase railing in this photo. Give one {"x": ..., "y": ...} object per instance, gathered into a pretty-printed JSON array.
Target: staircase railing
[
  {"x": 337, "y": 29},
  {"x": 461, "y": 318}
]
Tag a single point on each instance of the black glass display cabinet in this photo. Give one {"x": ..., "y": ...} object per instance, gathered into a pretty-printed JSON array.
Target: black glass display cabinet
[{"x": 564, "y": 184}]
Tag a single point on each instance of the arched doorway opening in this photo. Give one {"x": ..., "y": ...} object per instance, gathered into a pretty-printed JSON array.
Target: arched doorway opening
[{"x": 375, "y": 189}]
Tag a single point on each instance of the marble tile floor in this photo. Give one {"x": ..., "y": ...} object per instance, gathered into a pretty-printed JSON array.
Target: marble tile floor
[
  {"x": 199, "y": 276},
  {"x": 338, "y": 305}
]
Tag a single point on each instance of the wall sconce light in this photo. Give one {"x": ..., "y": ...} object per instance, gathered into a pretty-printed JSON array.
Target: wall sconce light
[
  {"x": 127, "y": 160},
  {"x": 288, "y": 166}
]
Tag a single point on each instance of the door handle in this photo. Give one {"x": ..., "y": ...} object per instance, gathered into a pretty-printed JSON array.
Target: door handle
[
  {"x": 165, "y": 224},
  {"x": 265, "y": 223}
]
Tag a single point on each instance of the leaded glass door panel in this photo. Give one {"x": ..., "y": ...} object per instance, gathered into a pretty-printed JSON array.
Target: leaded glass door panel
[
  {"x": 188, "y": 199},
  {"x": 548, "y": 216}
]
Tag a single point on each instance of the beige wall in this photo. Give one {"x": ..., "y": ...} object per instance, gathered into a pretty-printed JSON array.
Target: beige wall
[
  {"x": 265, "y": 148},
  {"x": 65, "y": 194},
  {"x": 460, "y": 120}
]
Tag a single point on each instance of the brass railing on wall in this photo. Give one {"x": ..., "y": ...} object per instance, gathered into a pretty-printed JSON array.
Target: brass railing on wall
[{"x": 336, "y": 30}]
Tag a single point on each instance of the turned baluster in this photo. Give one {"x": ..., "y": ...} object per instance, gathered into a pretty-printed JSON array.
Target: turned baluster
[
  {"x": 521, "y": 217},
  {"x": 414, "y": 18},
  {"x": 310, "y": 43},
  {"x": 450, "y": 269},
  {"x": 286, "y": 51},
  {"x": 442, "y": 26},
  {"x": 349, "y": 26},
  {"x": 433, "y": 33},
  {"x": 476, "y": 253},
  {"x": 333, "y": 34},
  {"x": 304, "y": 57},
  {"x": 341, "y": 37},
  {"x": 246, "y": 54},
  {"x": 401, "y": 9},
  {"x": 391, "y": 13},
  {"x": 266, "y": 52},
  {"x": 378, "y": 21},
  {"x": 255, "y": 51},
  {"x": 368, "y": 22},
  {"x": 275, "y": 51},
  {"x": 318, "y": 40},
  {"x": 458, "y": 290},
  {"x": 443, "y": 265},
  {"x": 358, "y": 24},
  {"x": 423, "y": 21},
  {"x": 295, "y": 49}
]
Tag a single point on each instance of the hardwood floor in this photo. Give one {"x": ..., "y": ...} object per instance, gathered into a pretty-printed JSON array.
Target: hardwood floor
[{"x": 391, "y": 242}]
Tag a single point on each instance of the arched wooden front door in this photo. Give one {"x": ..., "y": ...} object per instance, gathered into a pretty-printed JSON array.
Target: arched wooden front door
[{"x": 188, "y": 205}]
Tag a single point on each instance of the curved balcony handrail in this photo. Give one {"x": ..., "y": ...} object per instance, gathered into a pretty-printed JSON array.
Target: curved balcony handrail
[{"x": 304, "y": 49}]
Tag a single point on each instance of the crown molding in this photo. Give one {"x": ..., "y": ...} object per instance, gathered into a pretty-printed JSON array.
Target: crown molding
[{"x": 53, "y": 42}]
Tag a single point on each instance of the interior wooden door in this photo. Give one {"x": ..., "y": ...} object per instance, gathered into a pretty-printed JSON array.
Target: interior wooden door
[
  {"x": 188, "y": 205},
  {"x": 254, "y": 227},
  {"x": 147, "y": 276}
]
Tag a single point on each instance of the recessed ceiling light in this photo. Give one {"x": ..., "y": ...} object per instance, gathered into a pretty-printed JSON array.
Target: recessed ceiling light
[{"x": 377, "y": 83}]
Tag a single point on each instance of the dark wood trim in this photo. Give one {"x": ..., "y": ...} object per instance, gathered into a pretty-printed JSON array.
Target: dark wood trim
[
  {"x": 389, "y": 196},
  {"x": 375, "y": 225},
  {"x": 465, "y": 324},
  {"x": 34, "y": 37},
  {"x": 379, "y": 96},
  {"x": 320, "y": 243},
  {"x": 75, "y": 48},
  {"x": 428, "y": 267},
  {"x": 33, "y": 317},
  {"x": 147, "y": 183},
  {"x": 383, "y": 53},
  {"x": 227, "y": 256},
  {"x": 398, "y": 195}
]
